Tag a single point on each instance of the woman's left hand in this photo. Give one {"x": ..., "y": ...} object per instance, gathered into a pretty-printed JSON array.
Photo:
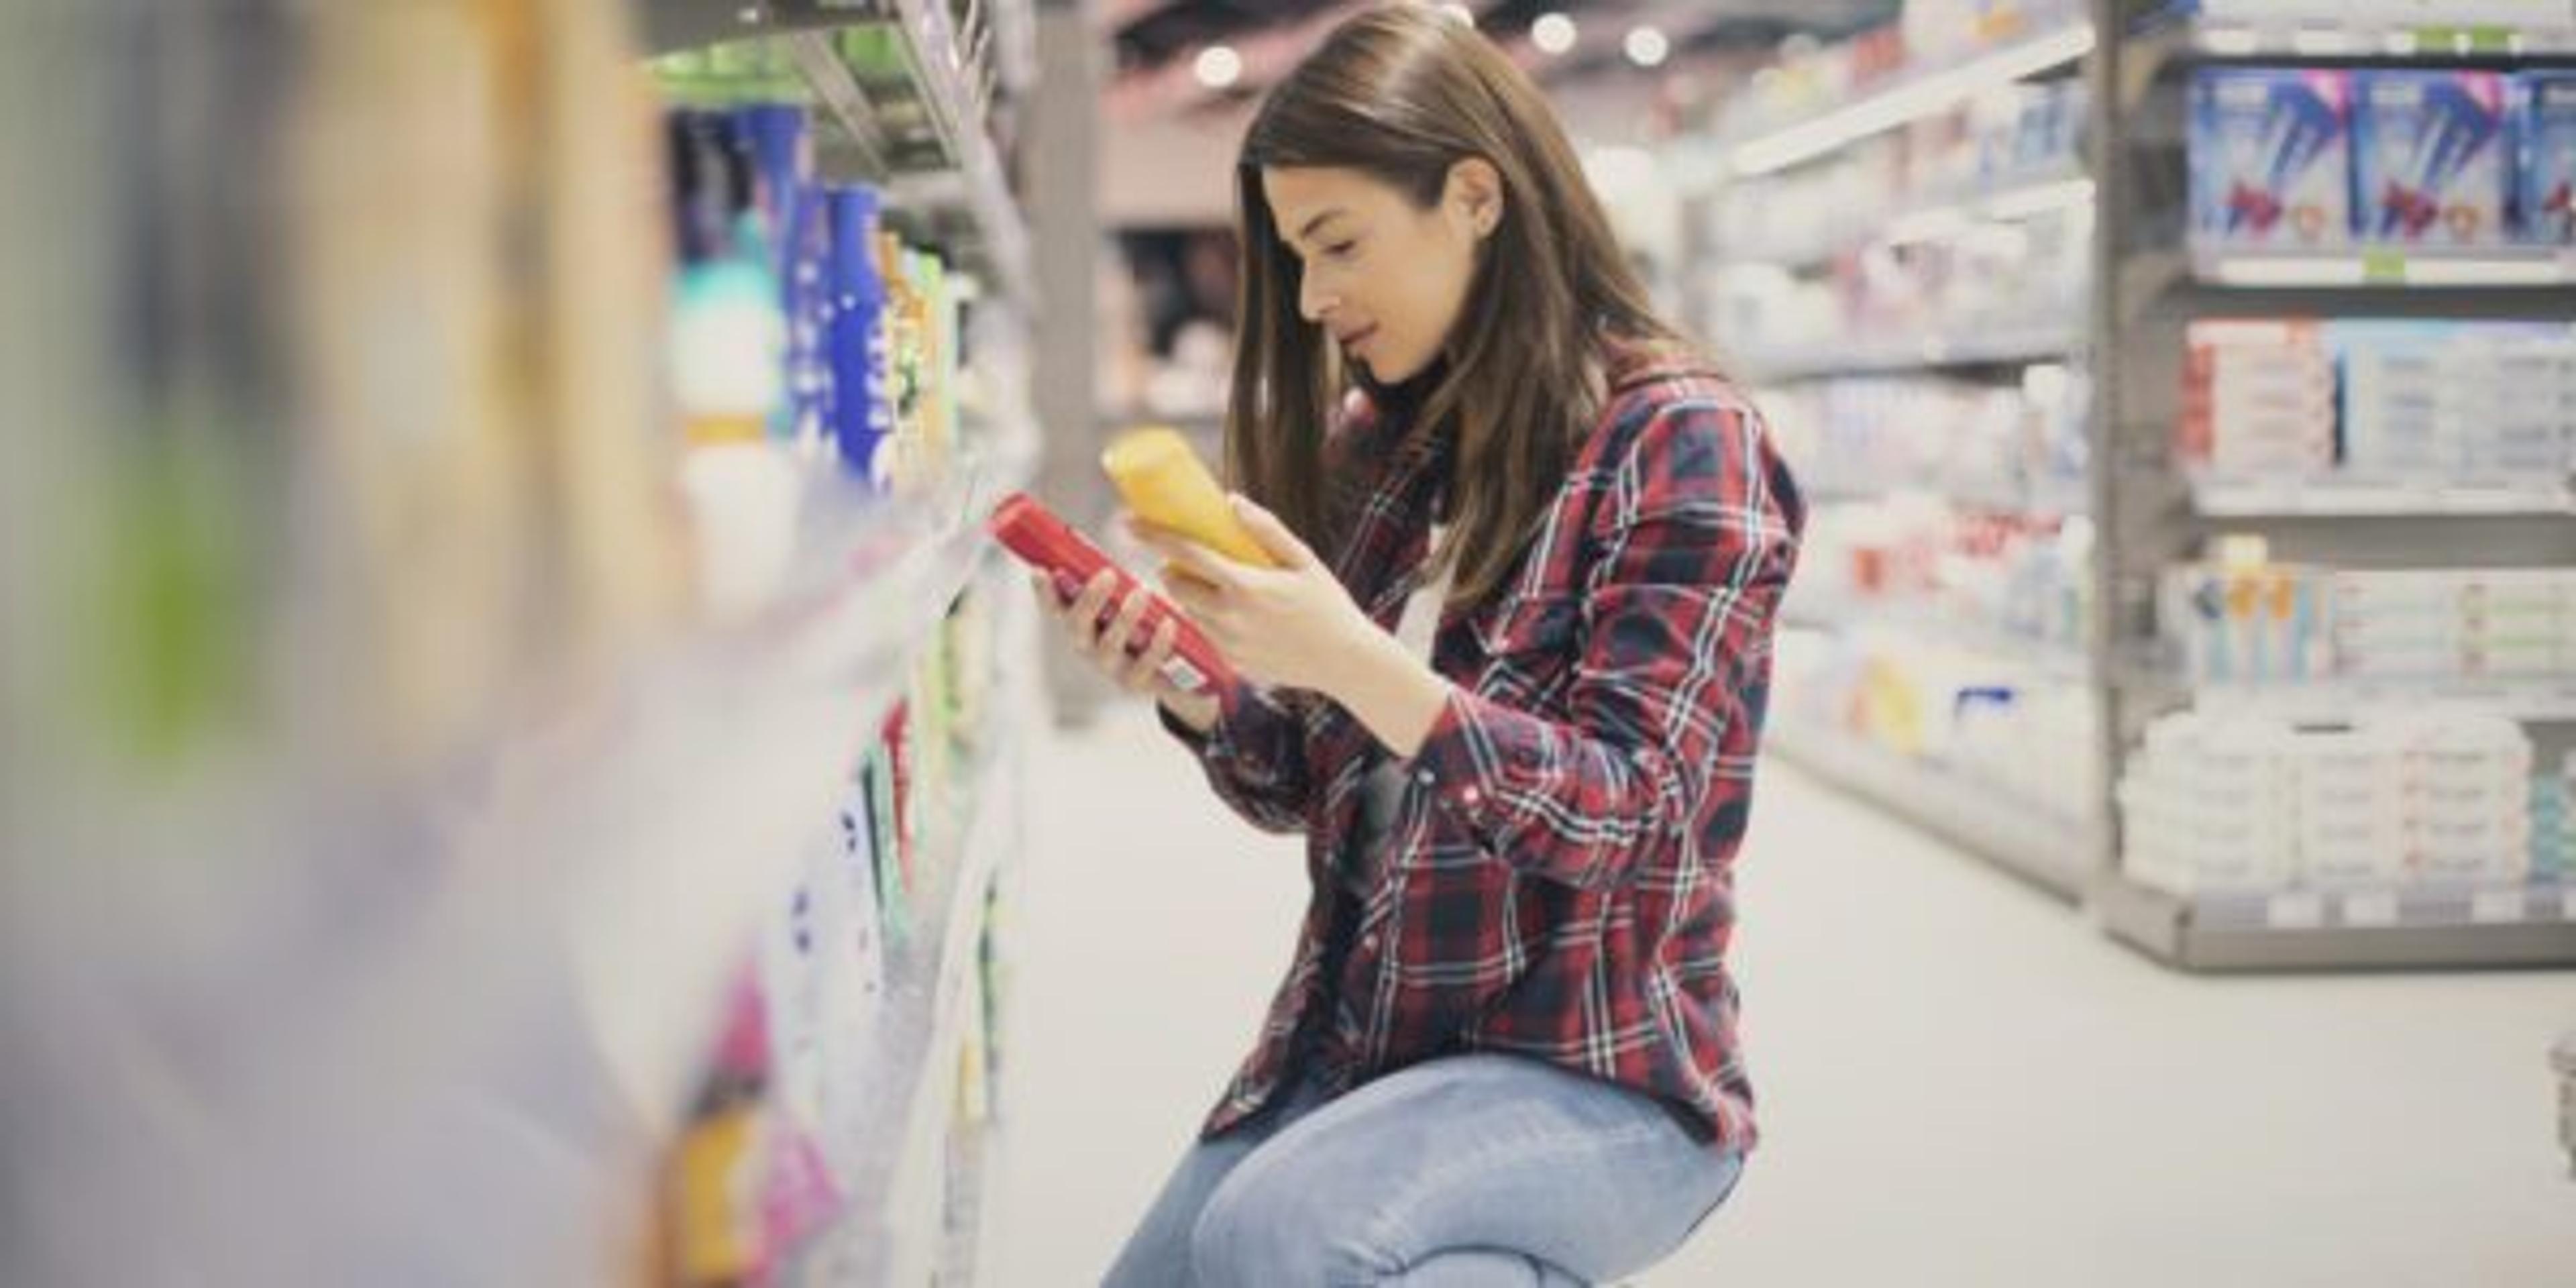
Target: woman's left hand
[{"x": 1294, "y": 626}]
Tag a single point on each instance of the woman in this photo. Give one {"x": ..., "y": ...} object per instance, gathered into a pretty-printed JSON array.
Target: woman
[{"x": 1505, "y": 1052}]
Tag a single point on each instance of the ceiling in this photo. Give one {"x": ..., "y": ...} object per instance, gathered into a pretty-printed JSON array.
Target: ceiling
[{"x": 1156, "y": 43}]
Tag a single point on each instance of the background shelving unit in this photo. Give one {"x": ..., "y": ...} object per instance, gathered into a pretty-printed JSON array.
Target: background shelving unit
[
  {"x": 2146, "y": 292},
  {"x": 913, "y": 1178},
  {"x": 429, "y": 928},
  {"x": 962, "y": 197},
  {"x": 2147, "y": 511},
  {"x": 2055, "y": 849}
]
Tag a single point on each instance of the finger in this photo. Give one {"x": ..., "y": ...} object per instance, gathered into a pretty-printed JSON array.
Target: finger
[
  {"x": 1201, "y": 601},
  {"x": 1146, "y": 675},
  {"x": 1202, "y": 562},
  {"x": 1272, "y": 534},
  {"x": 1084, "y": 616},
  {"x": 1113, "y": 642}
]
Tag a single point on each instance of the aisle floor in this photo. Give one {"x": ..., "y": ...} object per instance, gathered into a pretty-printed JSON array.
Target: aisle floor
[{"x": 1962, "y": 1082}]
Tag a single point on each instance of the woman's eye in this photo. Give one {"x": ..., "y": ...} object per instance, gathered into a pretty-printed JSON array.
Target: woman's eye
[{"x": 1341, "y": 250}]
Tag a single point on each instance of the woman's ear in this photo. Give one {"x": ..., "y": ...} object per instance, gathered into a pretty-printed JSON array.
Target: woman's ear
[{"x": 1475, "y": 192}]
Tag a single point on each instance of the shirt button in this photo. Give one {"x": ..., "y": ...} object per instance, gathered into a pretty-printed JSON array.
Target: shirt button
[
  {"x": 1370, "y": 943},
  {"x": 1472, "y": 795},
  {"x": 1422, "y": 776}
]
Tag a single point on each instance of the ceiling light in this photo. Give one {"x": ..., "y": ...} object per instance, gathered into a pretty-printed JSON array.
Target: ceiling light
[
  {"x": 1553, "y": 33},
  {"x": 1647, "y": 47},
  {"x": 1219, "y": 67}
]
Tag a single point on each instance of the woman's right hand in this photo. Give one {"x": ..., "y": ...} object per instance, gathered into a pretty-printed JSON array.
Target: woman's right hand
[{"x": 1106, "y": 646}]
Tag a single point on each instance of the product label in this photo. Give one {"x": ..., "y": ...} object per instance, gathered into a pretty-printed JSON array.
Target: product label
[
  {"x": 2295, "y": 910},
  {"x": 1183, "y": 676},
  {"x": 2370, "y": 908},
  {"x": 2496, "y": 907}
]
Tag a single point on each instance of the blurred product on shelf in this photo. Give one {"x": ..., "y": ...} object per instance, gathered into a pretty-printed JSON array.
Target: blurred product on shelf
[
  {"x": 783, "y": 1166},
  {"x": 803, "y": 329},
  {"x": 2562, "y": 1058},
  {"x": 2259, "y": 399},
  {"x": 715, "y": 1223},
  {"x": 2431, "y": 163},
  {"x": 2270, "y": 154},
  {"x": 1935, "y": 174},
  {"x": 2012, "y": 277},
  {"x": 2545, "y": 160},
  {"x": 2317, "y": 158},
  {"x": 2241, "y": 619},
  {"x": 2381, "y": 400},
  {"x": 1962, "y": 710},
  {"x": 1928, "y": 35},
  {"x": 2218, "y": 802},
  {"x": 2006, "y": 447},
  {"x": 2459, "y": 400},
  {"x": 2553, "y": 822},
  {"x": 858, "y": 381},
  {"x": 2019, "y": 583}
]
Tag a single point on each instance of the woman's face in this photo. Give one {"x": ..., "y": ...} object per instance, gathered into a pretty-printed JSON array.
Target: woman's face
[{"x": 1385, "y": 279}]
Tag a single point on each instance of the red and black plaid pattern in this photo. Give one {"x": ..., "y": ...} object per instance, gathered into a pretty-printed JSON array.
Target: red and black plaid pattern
[{"x": 1558, "y": 882}]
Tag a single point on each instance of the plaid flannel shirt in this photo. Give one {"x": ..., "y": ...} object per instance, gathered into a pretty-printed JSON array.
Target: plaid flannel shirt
[{"x": 1558, "y": 881}]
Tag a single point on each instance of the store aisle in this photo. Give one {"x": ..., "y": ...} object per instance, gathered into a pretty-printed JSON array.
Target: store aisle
[{"x": 1962, "y": 1083}]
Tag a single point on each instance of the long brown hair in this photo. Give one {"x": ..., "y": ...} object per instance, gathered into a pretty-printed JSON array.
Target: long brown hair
[{"x": 1402, "y": 94}]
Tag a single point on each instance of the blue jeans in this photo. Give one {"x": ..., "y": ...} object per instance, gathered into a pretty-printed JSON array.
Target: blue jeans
[{"x": 1474, "y": 1170}]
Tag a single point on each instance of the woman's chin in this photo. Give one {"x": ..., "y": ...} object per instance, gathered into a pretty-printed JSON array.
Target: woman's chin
[{"x": 1385, "y": 374}]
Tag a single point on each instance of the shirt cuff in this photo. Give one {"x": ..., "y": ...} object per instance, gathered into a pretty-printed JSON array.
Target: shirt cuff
[
  {"x": 1178, "y": 728},
  {"x": 1218, "y": 741},
  {"x": 1474, "y": 750}
]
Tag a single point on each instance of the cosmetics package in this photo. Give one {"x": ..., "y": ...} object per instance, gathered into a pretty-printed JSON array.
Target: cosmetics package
[
  {"x": 2431, "y": 163},
  {"x": 2545, "y": 157},
  {"x": 2270, "y": 154}
]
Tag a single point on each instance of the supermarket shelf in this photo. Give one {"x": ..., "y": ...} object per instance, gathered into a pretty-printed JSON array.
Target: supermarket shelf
[
  {"x": 1910, "y": 98},
  {"x": 2347, "y": 42},
  {"x": 2054, "y": 661},
  {"x": 2544, "y": 701},
  {"x": 1004, "y": 243},
  {"x": 791, "y": 697},
  {"x": 669, "y": 26},
  {"x": 2007, "y": 496},
  {"x": 2037, "y": 845},
  {"x": 923, "y": 1029},
  {"x": 965, "y": 198},
  {"x": 1931, "y": 218},
  {"x": 2457, "y": 926},
  {"x": 2385, "y": 267},
  {"x": 970, "y": 188},
  {"x": 1972, "y": 347},
  {"x": 2246, "y": 498}
]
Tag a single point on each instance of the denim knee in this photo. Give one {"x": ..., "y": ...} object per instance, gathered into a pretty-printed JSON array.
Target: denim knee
[{"x": 1264, "y": 1228}]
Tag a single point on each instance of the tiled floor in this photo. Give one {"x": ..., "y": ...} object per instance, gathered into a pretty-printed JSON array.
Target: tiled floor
[{"x": 1963, "y": 1083}]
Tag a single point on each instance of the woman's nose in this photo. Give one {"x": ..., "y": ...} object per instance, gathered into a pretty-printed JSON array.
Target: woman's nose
[{"x": 1312, "y": 299}]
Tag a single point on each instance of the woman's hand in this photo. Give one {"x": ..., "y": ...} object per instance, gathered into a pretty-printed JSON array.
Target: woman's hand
[
  {"x": 1108, "y": 645},
  {"x": 1293, "y": 626},
  {"x": 1296, "y": 627}
]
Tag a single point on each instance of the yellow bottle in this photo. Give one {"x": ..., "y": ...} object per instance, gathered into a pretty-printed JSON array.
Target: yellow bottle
[{"x": 1167, "y": 485}]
